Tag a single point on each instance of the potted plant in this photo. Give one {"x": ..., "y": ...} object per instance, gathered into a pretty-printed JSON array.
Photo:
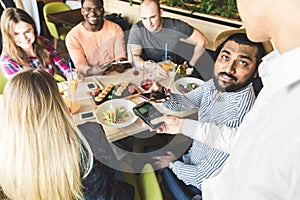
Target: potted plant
[{"x": 223, "y": 8}]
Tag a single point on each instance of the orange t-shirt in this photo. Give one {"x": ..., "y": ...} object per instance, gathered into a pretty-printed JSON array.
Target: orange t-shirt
[{"x": 88, "y": 48}]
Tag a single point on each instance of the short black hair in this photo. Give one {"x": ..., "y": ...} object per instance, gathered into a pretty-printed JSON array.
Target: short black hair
[
  {"x": 82, "y": 1},
  {"x": 241, "y": 38}
]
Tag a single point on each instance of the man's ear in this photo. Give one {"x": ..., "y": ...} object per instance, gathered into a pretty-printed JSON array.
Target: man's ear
[
  {"x": 255, "y": 75},
  {"x": 161, "y": 11}
]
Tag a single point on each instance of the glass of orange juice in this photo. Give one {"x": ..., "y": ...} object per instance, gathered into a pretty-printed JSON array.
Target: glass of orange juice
[
  {"x": 71, "y": 96},
  {"x": 166, "y": 63},
  {"x": 71, "y": 101}
]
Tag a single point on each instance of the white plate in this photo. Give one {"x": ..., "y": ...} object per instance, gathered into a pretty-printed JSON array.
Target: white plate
[
  {"x": 186, "y": 80},
  {"x": 110, "y": 104}
]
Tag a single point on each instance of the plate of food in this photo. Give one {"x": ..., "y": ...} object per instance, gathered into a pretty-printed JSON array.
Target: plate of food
[
  {"x": 125, "y": 90},
  {"x": 116, "y": 113},
  {"x": 187, "y": 84}
]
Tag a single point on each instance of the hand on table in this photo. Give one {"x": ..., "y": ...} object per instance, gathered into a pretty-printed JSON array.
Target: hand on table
[
  {"x": 164, "y": 161},
  {"x": 98, "y": 69}
]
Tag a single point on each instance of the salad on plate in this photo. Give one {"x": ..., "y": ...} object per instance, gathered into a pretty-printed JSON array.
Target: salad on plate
[{"x": 116, "y": 115}]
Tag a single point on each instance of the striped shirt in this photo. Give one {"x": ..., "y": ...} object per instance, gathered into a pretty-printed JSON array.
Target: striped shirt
[
  {"x": 10, "y": 67},
  {"x": 227, "y": 108}
]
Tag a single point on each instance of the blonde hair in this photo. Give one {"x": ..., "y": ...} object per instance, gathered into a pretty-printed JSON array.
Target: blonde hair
[
  {"x": 43, "y": 153},
  {"x": 10, "y": 17}
]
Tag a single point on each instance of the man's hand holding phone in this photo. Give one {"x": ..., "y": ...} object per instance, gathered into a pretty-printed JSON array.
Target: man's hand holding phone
[
  {"x": 147, "y": 112},
  {"x": 172, "y": 124}
]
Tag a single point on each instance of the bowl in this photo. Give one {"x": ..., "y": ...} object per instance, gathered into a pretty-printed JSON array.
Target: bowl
[
  {"x": 182, "y": 83},
  {"x": 109, "y": 106}
]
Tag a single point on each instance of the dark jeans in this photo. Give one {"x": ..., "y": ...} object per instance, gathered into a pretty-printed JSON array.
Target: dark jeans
[{"x": 177, "y": 188}]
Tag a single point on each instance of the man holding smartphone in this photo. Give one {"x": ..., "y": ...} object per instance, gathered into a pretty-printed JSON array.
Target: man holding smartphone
[{"x": 223, "y": 100}]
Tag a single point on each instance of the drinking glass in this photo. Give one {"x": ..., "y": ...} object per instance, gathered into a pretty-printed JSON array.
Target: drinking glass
[
  {"x": 166, "y": 63},
  {"x": 70, "y": 95},
  {"x": 149, "y": 69},
  {"x": 72, "y": 78}
]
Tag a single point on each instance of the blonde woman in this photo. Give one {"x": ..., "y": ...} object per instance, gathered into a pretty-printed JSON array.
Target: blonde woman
[
  {"x": 23, "y": 48},
  {"x": 43, "y": 153}
]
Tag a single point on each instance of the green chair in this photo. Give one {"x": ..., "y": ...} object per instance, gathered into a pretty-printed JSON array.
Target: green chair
[
  {"x": 145, "y": 184},
  {"x": 3, "y": 81},
  {"x": 148, "y": 184},
  {"x": 56, "y": 31}
]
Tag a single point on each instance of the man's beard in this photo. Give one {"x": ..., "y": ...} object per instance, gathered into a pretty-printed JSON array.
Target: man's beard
[{"x": 233, "y": 87}]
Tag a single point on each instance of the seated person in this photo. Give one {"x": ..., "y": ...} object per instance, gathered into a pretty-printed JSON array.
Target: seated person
[
  {"x": 39, "y": 137},
  {"x": 223, "y": 100},
  {"x": 149, "y": 37},
  {"x": 24, "y": 49},
  {"x": 95, "y": 42}
]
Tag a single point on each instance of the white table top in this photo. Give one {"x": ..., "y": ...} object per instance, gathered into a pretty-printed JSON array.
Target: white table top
[{"x": 114, "y": 134}]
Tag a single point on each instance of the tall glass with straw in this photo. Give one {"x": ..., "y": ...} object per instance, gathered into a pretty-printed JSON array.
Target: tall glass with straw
[{"x": 71, "y": 97}]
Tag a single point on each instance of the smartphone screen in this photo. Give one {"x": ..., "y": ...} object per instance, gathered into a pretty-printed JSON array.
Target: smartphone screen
[
  {"x": 87, "y": 115},
  {"x": 147, "y": 112},
  {"x": 91, "y": 86}
]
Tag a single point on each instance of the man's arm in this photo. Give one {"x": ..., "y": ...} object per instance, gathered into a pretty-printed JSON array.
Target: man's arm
[
  {"x": 135, "y": 50},
  {"x": 120, "y": 50},
  {"x": 77, "y": 54},
  {"x": 200, "y": 41},
  {"x": 216, "y": 136}
]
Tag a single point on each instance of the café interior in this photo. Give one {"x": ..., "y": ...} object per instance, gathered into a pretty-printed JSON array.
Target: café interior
[{"x": 130, "y": 137}]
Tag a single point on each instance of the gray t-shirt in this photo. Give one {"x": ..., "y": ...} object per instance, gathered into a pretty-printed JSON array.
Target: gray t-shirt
[{"x": 154, "y": 42}]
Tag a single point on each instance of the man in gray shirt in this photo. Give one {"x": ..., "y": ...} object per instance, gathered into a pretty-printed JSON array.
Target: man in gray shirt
[{"x": 149, "y": 37}]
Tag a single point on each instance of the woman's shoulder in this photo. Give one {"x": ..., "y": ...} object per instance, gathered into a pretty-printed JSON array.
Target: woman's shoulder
[{"x": 5, "y": 58}]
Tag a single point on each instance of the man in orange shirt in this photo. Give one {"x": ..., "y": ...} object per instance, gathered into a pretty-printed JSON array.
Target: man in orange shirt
[{"x": 95, "y": 42}]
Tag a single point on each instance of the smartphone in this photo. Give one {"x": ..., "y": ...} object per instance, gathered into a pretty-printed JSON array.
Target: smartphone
[
  {"x": 147, "y": 112},
  {"x": 153, "y": 96},
  {"x": 145, "y": 96},
  {"x": 156, "y": 96}
]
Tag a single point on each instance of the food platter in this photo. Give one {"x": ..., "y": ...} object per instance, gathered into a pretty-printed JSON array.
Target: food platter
[
  {"x": 110, "y": 106},
  {"x": 187, "y": 84},
  {"x": 125, "y": 90}
]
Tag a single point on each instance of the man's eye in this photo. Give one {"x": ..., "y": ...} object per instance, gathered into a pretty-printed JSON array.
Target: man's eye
[
  {"x": 241, "y": 62},
  {"x": 224, "y": 57}
]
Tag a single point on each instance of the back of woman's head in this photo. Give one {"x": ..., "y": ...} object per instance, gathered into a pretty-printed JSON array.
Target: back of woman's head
[
  {"x": 33, "y": 96},
  {"x": 41, "y": 146}
]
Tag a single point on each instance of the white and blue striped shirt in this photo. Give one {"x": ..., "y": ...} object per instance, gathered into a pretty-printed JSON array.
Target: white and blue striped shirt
[{"x": 228, "y": 108}]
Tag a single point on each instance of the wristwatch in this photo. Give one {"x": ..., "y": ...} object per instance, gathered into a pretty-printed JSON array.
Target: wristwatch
[{"x": 171, "y": 165}]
